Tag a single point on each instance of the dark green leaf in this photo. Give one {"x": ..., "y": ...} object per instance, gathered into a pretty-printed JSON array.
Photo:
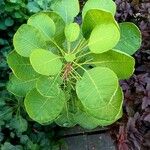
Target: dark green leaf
[{"x": 19, "y": 124}]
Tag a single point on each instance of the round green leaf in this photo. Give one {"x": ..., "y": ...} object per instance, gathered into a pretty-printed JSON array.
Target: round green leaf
[
  {"x": 72, "y": 32},
  {"x": 94, "y": 18},
  {"x": 121, "y": 63},
  {"x": 85, "y": 120},
  {"x": 97, "y": 87},
  {"x": 19, "y": 87},
  {"x": 43, "y": 109},
  {"x": 9, "y": 22},
  {"x": 43, "y": 23},
  {"x": 59, "y": 36},
  {"x": 104, "y": 37},
  {"x": 48, "y": 86},
  {"x": 45, "y": 62},
  {"x": 66, "y": 9},
  {"x": 27, "y": 39},
  {"x": 21, "y": 66},
  {"x": 130, "y": 40},
  {"x": 109, "y": 113},
  {"x": 106, "y": 5},
  {"x": 66, "y": 119}
]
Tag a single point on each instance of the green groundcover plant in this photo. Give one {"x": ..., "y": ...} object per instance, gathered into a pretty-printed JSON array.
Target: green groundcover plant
[{"x": 69, "y": 73}]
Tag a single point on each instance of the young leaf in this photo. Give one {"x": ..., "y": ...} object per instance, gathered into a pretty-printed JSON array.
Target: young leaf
[
  {"x": 110, "y": 112},
  {"x": 103, "y": 38},
  {"x": 106, "y": 5},
  {"x": 70, "y": 57},
  {"x": 44, "y": 24},
  {"x": 21, "y": 66},
  {"x": 121, "y": 63},
  {"x": 45, "y": 62},
  {"x": 43, "y": 109},
  {"x": 19, "y": 87},
  {"x": 72, "y": 32},
  {"x": 67, "y": 9},
  {"x": 130, "y": 40},
  {"x": 48, "y": 86},
  {"x": 99, "y": 85},
  {"x": 96, "y": 17},
  {"x": 27, "y": 39}
]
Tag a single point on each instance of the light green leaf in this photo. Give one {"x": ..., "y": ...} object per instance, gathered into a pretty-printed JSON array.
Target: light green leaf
[
  {"x": 48, "y": 86},
  {"x": 85, "y": 120},
  {"x": 43, "y": 109},
  {"x": 70, "y": 57},
  {"x": 45, "y": 62},
  {"x": 21, "y": 66},
  {"x": 27, "y": 39},
  {"x": 104, "y": 37},
  {"x": 99, "y": 85},
  {"x": 130, "y": 40},
  {"x": 59, "y": 36},
  {"x": 72, "y": 32},
  {"x": 66, "y": 119},
  {"x": 96, "y": 17},
  {"x": 121, "y": 63},
  {"x": 111, "y": 112},
  {"x": 67, "y": 9},
  {"x": 19, "y": 87},
  {"x": 44, "y": 24},
  {"x": 106, "y": 5}
]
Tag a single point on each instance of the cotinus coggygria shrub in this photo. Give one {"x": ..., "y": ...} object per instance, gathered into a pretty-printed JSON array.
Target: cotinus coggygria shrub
[{"x": 69, "y": 74}]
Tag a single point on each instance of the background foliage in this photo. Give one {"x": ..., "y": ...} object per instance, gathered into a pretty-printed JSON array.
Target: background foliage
[{"x": 17, "y": 131}]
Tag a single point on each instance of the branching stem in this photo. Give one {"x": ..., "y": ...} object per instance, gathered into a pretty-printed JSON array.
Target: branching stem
[
  {"x": 81, "y": 56},
  {"x": 60, "y": 49}
]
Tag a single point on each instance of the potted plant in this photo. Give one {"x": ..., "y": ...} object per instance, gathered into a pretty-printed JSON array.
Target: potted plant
[{"x": 69, "y": 73}]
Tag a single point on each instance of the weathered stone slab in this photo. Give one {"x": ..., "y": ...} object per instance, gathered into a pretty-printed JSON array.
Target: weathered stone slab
[
  {"x": 80, "y": 139},
  {"x": 75, "y": 143},
  {"x": 100, "y": 142},
  {"x": 78, "y": 130}
]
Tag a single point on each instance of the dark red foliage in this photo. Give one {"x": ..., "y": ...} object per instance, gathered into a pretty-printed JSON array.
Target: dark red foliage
[
  {"x": 124, "y": 10},
  {"x": 137, "y": 110},
  {"x": 132, "y": 132},
  {"x": 122, "y": 139}
]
